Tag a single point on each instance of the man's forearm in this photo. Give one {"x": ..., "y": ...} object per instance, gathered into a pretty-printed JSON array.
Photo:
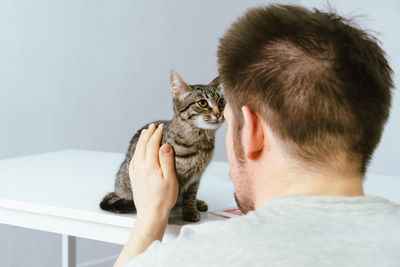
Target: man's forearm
[{"x": 145, "y": 231}]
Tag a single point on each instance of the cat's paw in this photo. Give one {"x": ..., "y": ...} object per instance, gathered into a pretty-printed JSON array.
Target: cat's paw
[
  {"x": 192, "y": 216},
  {"x": 201, "y": 205},
  {"x": 113, "y": 203}
]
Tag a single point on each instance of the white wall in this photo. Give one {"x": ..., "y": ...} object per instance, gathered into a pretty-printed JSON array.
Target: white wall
[{"x": 87, "y": 74}]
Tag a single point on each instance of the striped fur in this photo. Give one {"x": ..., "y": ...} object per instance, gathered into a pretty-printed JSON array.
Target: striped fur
[{"x": 191, "y": 133}]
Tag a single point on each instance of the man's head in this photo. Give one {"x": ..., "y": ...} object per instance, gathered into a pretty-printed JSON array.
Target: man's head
[{"x": 320, "y": 84}]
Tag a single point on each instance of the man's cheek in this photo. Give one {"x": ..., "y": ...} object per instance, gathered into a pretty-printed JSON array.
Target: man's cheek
[{"x": 229, "y": 148}]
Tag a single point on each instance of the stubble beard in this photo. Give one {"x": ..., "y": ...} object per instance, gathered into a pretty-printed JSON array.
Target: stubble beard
[
  {"x": 244, "y": 197},
  {"x": 244, "y": 206},
  {"x": 245, "y": 200}
]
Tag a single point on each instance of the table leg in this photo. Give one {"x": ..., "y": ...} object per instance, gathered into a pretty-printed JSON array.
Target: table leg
[{"x": 68, "y": 251}]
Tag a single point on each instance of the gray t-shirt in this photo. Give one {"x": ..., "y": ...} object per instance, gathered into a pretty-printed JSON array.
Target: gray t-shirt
[{"x": 290, "y": 231}]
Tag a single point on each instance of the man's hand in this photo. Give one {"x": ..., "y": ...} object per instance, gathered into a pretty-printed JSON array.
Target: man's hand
[
  {"x": 155, "y": 190},
  {"x": 152, "y": 174}
]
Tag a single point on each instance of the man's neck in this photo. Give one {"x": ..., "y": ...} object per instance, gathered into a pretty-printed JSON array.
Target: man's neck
[{"x": 281, "y": 179}]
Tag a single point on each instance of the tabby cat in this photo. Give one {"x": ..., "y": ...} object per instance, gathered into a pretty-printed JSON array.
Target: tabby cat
[{"x": 198, "y": 114}]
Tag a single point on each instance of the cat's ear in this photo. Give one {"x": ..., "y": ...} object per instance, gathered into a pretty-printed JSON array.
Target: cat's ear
[
  {"x": 178, "y": 86},
  {"x": 216, "y": 83}
]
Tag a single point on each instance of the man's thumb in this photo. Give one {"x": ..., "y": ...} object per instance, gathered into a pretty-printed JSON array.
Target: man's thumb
[{"x": 167, "y": 160}]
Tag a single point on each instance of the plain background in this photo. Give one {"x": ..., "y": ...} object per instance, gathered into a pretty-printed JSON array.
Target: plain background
[{"x": 87, "y": 74}]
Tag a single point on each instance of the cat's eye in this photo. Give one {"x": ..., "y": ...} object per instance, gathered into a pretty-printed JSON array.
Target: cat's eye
[
  {"x": 202, "y": 103},
  {"x": 221, "y": 102}
]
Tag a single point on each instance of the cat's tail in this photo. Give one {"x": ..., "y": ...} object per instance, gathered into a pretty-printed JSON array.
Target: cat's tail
[{"x": 113, "y": 203}]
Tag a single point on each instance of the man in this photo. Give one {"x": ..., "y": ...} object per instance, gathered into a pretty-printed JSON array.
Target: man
[{"x": 308, "y": 95}]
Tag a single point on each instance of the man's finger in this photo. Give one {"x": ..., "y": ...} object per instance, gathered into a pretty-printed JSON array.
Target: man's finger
[
  {"x": 149, "y": 133},
  {"x": 140, "y": 150},
  {"x": 167, "y": 161},
  {"x": 154, "y": 145}
]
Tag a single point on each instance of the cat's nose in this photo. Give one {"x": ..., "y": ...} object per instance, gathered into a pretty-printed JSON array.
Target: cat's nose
[{"x": 217, "y": 115}]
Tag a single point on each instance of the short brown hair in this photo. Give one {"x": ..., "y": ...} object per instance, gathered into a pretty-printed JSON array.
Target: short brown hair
[{"x": 321, "y": 83}]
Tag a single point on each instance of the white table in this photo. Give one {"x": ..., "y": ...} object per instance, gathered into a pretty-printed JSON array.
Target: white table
[{"x": 60, "y": 192}]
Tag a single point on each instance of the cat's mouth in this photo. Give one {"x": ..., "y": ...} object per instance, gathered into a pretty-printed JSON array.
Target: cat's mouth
[
  {"x": 214, "y": 125},
  {"x": 209, "y": 125}
]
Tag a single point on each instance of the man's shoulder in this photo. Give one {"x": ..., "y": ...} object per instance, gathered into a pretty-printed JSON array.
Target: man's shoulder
[
  {"x": 298, "y": 227},
  {"x": 220, "y": 227},
  {"x": 198, "y": 244}
]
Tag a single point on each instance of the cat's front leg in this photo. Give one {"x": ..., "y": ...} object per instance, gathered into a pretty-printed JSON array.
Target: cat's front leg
[{"x": 189, "y": 206}]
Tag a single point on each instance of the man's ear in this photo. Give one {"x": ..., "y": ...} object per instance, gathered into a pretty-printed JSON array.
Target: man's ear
[
  {"x": 252, "y": 134},
  {"x": 178, "y": 86}
]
